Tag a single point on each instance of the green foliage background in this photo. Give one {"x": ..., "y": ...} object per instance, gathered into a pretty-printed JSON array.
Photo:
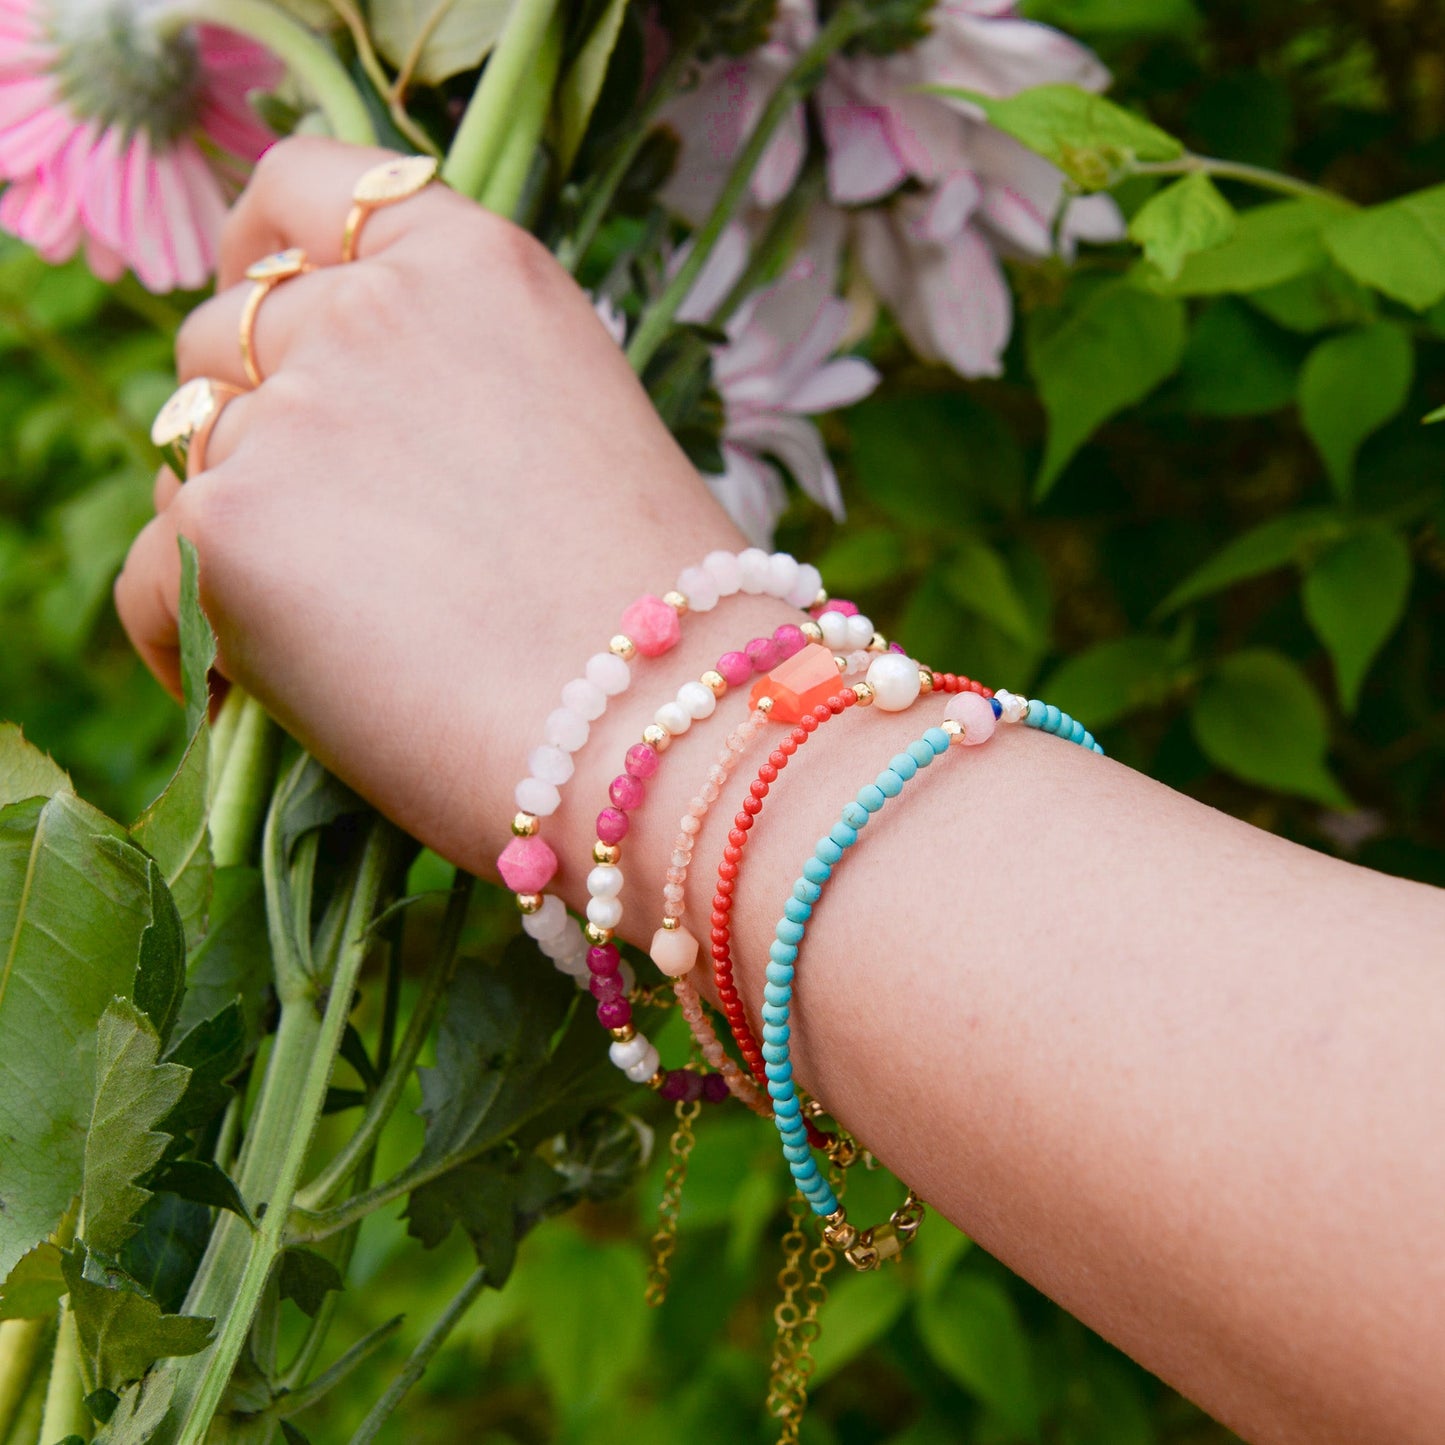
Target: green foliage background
[{"x": 1236, "y": 582}]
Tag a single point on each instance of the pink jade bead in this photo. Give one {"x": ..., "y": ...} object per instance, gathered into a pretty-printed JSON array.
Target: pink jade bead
[
  {"x": 736, "y": 668},
  {"x": 527, "y": 865},
  {"x": 975, "y": 714},
  {"x": 626, "y": 792},
  {"x": 764, "y": 654},
  {"x": 613, "y": 1013},
  {"x": 641, "y": 761},
  {"x": 611, "y": 825},
  {"x": 790, "y": 639},
  {"x": 674, "y": 951},
  {"x": 837, "y": 604},
  {"x": 652, "y": 625}
]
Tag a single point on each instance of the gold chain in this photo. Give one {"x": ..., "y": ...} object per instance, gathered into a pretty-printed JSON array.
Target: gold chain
[{"x": 665, "y": 1240}]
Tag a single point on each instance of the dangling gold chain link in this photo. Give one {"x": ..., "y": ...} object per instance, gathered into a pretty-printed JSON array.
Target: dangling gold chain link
[{"x": 665, "y": 1240}]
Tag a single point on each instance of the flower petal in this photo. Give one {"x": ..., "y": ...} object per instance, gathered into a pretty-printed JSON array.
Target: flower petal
[
  {"x": 841, "y": 383},
  {"x": 795, "y": 443},
  {"x": 751, "y": 493}
]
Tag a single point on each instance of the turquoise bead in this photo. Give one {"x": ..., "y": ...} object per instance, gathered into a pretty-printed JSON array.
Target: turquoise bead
[
  {"x": 855, "y": 815},
  {"x": 780, "y": 1071},
  {"x": 1035, "y": 718},
  {"x": 774, "y": 1013},
  {"x": 1076, "y": 733},
  {"x": 797, "y": 912},
  {"x": 781, "y": 1088},
  {"x": 795, "y": 1151},
  {"x": 826, "y": 1203},
  {"x": 777, "y": 993},
  {"x": 827, "y": 851},
  {"x": 871, "y": 797},
  {"x": 843, "y": 835},
  {"x": 789, "y": 1109},
  {"x": 777, "y": 1033},
  {"x": 817, "y": 871},
  {"x": 775, "y": 1053},
  {"x": 920, "y": 752},
  {"x": 1051, "y": 718},
  {"x": 889, "y": 783},
  {"x": 804, "y": 1171},
  {"x": 784, "y": 953},
  {"x": 938, "y": 740},
  {"x": 806, "y": 891},
  {"x": 789, "y": 932},
  {"x": 903, "y": 765},
  {"x": 780, "y": 973}
]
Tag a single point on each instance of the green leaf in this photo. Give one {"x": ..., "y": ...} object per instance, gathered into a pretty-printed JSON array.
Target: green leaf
[
  {"x": 141, "y": 1411},
  {"x": 73, "y": 905},
  {"x": 202, "y": 1182},
  {"x": 162, "y": 1256},
  {"x": 577, "y": 94},
  {"x": 1092, "y": 140},
  {"x": 978, "y": 579},
  {"x": 862, "y": 557},
  {"x": 1430, "y": 417},
  {"x": 1354, "y": 597},
  {"x": 1289, "y": 538},
  {"x": 1256, "y": 716},
  {"x": 213, "y": 1050},
  {"x": 133, "y": 1093},
  {"x": 160, "y": 975},
  {"x": 1180, "y": 220},
  {"x": 101, "y": 1404},
  {"x": 1398, "y": 248},
  {"x": 1236, "y": 364},
  {"x": 233, "y": 961},
  {"x": 453, "y": 36},
  {"x": 859, "y": 1311},
  {"x": 308, "y": 1277},
  {"x": 1351, "y": 385},
  {"x": 1107, "y": 355},
  {"x": 198, "y": 642},
  {"x": 1317, "y": 301},
  {"x": 1111, "y": 680},
  {"x": 122, "y": 1332},
  {"x": 34, "y": 1287},
  {"x": 1271, "y": 243},
  {"x": 26, "y": 772},
  {"x": 972, "y": 1331},
  {"x": 1116, "y": 17}
]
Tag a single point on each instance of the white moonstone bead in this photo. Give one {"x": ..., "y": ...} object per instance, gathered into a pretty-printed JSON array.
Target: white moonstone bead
[
  {"x": 700, "y": 589},
  {"x": 604, "y": 912},
  {"x": 565, "y": 729},
  {"x": 552, "y": 765},
  {"x": 835, "y": 630},
  {"x": 607, "y": 671},
  {"x": 806, "y": 588},
  {"x": 753, "y": 569},
  {"x": 725, "y": 572},
  {"x": 566, "y": 943},
  {"x": 646, "y": 1066},
  {"x": 585, "y": 698},
  {"x": 628, "y": 975},
  {"x": 894, "y": 680},
  {"x": 549, "y": 921},
  {"x": 535, "y": 796},
  {"x": 627, "y": 1052},
  {"x": 605, "y": 881},
  {"x": 1014, "y": 706},
  {"x": 782, "y": 574},
  {"x": 574, "y": 965},
  {"x": 697, "y": 700},
  {"x": 673, "y": 718},
  {"x": 860, "y": 630}
]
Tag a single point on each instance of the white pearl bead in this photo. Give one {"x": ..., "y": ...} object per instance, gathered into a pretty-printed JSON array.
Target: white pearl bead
[
  {"x": 697, "y": 700},
  {"x": 550, "y": 764},
  {"x": 607, "y": 671},
  {"x": 585, "y": 698},
  {"x": 627, "y": 1052},
  {"x": 894, "y": 680},
  {"x": 753, "y": 569},
  {"x": 806, "y": 588},
  {"x": 565, "y": 729},
  {"x": 604, "y": 912},
  {"x": 835, "y": 630},
  {"x": 698, "y": 586},
  {"x": 535, "y": 796},
  {"x": 549, "y": 921},
  {"x": 782, "y": 574},
  {"x": 671, "y": 717},
  {"x": 725, "y": 572},
  {"x": 860, "y": 630},
  {"x": 645, "y": 1067},
  {"x": 605, "y": 881}
]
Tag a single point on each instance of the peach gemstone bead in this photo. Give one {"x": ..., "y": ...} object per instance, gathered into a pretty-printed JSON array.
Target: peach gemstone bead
[
  {"x": 975, "y": 714},
  {"x": 798, "y": 685},
  {"x": 674, "y": 951},
  {"x": 652, "y": 625}
]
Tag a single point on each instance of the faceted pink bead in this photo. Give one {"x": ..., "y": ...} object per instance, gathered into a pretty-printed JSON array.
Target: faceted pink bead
[
  {"x": 736, "y": 668},
  {"x": 611, "y": 825},
  {"x": 627, "y": 792},
  {"x": 641, "y": 760},
  {"x": 652, "y": 625},
  {"x": 604, "y": 958},
  {"x": 605, "y": 986},
  {"x": 790, "y": 639},
  {"x": 976, "y": 715},
  {"x": 837, "y": 604},
  {"x": 764, "y": 654},
  {"x": 527, "y": 865},
  {"x": 612, "y": 1013}
]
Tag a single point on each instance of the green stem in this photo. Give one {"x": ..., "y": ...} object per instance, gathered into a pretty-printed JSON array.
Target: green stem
[
  {"x": 295, "y": 1401},
  {"x": 1238, "y": 171},
  {"x": 308, "y": 57},
  {"x": 281, "y": 1134},
  {"x": 847, "y": 21},
  {"x": 775, "y": 242},
  {"x": 388, "y": 1094},
  {"x": 482, "y": 134},
  {"x": 20, "y": 1342},
  {"x": 419, "y": 1359},
  {"x": 242, "y": 783},
  {"x": 508, "y": 179},
  {"x": 65, "y": 1412}
]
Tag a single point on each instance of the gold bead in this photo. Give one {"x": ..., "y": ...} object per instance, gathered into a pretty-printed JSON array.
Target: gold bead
[
  {"x": 925, "y": 680},
  {"x": 670, "y": 924},
  {"x": 597, "y": 936},
  {"x": 524, "y": 825},
  {"x": 811, "y": 630},
  {"x": 529, "y": 902},
  {"x": 677, "y": 601},
  {"x": 953, "y": 728},
  {"x": 658, "y": 1079},
  {"x": 863, "y": 691},
  {"x": 886, "y": 1240},
  {"x": 764, "y": 705},
  {"x": 842, "y": 663},
  {"x": 623, "y": 646},
  {"x": 838, "y": 1232},
  {"x": 879, "y": 643},
  {"x": 657, "y": 738},
  {"x": 821, "y": 600},
  {"x": 716, "y": 681},
  {"x": 623, "y": 1033},
  {"x": 605, "y": 852}
]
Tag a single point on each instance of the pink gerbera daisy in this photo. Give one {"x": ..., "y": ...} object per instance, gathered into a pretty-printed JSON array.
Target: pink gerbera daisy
[{"x": 114, "y": 137}]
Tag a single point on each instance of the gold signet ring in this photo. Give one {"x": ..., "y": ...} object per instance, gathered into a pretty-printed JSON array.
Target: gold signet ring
[
  {"x": 268, "y": 273},
  {"x": 183, "y": 425},
  {"x": 384, "y": 185}
]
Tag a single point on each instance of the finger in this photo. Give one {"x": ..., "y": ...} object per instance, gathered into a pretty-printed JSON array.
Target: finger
[
  {"x": 146, "y": 598},
  {"x": 300, "y": 194},
  {"x": 209, "y": 341},
  {"x": 166, "y": 487}
]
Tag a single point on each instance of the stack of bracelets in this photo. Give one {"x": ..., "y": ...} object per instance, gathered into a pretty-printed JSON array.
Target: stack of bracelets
[{"x": 829, "y": 663}]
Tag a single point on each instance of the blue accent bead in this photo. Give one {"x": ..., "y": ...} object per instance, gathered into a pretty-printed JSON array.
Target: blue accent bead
[
  {"x": 797, "y": 912},
  {"x": 920, "y": 752},
  {"x": 784, "y": 953},
  {"x": 1035, "y": 716},
  {"x": 789, "y": 932},
  {"x": 843, "y": 835},
  {"x": 774, "y": 1013},
  {"x": 889, "y": 783},
  {"x": 997, "y": 706},
  {"x": 903, "y": 765},
  {"x": 938, "y": 740},
  {"x": 806, "y": 891},
  {"x": 817, "y": 871},
  {"x": 827, "y": 851},
  {"x": 778, "y": 1034},
  {"x": 777, "y": 993},
  {"x": 778, "y": 972},
  {"x": 871, "y": 797}
]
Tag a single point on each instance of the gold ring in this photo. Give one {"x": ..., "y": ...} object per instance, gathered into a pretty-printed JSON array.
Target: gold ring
[
  {"x": 384, "y": 185},
  {"x": 183, "y": 425},
  {"x": 268, "y": 273}
]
